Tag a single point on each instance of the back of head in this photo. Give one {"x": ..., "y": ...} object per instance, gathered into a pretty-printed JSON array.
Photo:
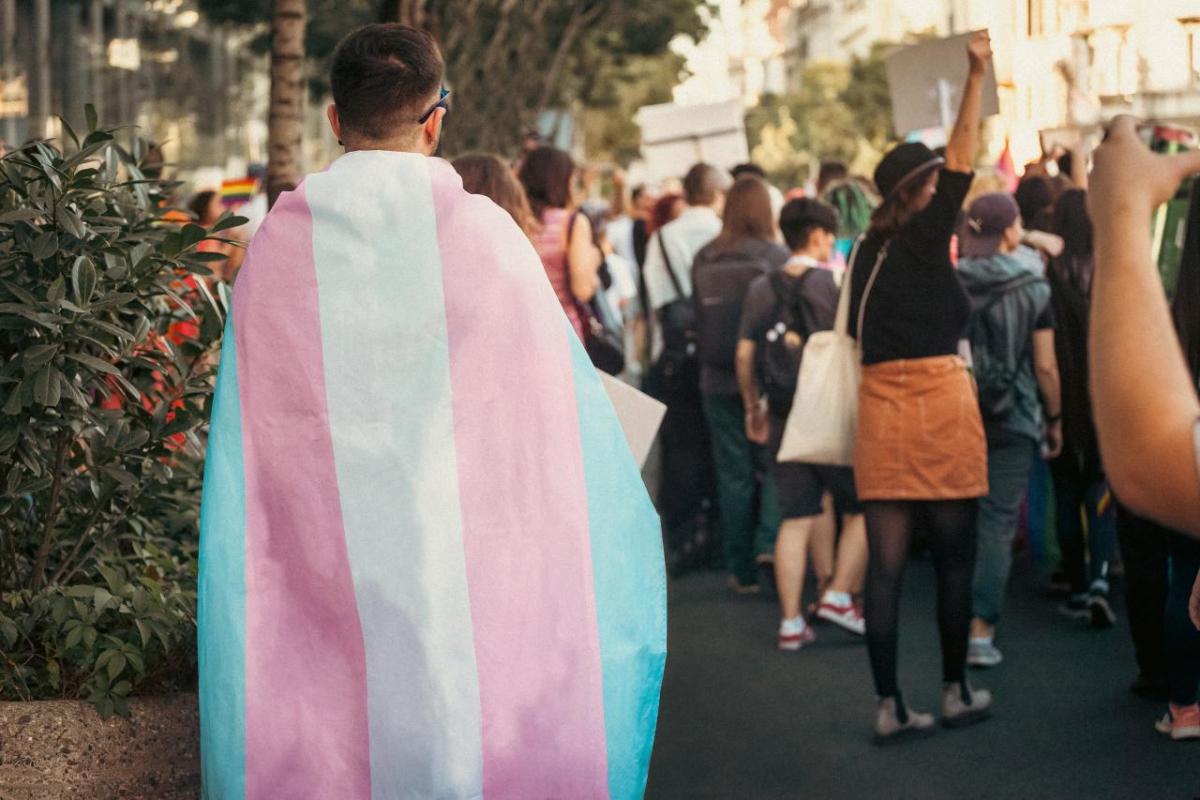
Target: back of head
[
  {"x": 1072, "y": 223},
  {"x": 665, "y": 210},
  {"x": 703, "y": 185},
  {"x": 1034, "y": 195},
  {"x": 800, "y": 217},
  {"x": 489, "y": 176},
  {"x": 854, "y": 203},
  {"x": 383, "y": 77},
  {"x": 748, "y": 212},
  {"x": 199, "y": 204},
  {"x": 546, "y": 173},
  {"x": 830, "y": 172},
  {"x": 749, "y": 168}
]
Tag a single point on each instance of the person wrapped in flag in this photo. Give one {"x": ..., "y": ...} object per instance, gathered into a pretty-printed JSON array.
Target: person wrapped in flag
[{"x": 429, "y": 567}]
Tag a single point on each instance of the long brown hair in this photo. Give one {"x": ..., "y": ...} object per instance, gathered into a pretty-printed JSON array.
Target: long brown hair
[
  {"x": 489, "y": 176},
  {"x": 547, "y": 174},
  {"x": 895, "y": 212},
  {"x": 748, "y": 213}
]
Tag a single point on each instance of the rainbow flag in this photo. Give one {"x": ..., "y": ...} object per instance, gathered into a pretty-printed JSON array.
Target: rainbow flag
[
  {"x": 428, "y": 564},
  {"x": 236, "y": 191}
]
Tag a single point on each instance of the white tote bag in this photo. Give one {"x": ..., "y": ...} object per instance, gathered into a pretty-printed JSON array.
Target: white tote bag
[{"x": 823, "y": 423}]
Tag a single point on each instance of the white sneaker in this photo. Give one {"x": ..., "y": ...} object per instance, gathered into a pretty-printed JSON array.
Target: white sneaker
[
  {"x": 962, "y": 705},
  {"x": 845, "y": 615},
  {"x": 983, "y": 654},
  {"x": 889, "y": 727}
]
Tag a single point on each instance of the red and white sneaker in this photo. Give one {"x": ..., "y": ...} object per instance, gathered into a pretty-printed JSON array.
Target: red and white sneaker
[
  {"x": 792, "y": 637},
  {"x": 1180, "y": 722},
  {"x": 843, "y": 614}
]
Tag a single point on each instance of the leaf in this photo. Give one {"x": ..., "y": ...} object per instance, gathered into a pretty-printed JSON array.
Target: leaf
[
  {"x": 9, "y": 437},
  {"x": 20, "y": 215},
  {"x": 41, "y": 386},
  {"x": 101, "y": 597},
  {"x": 89, "y": 114},
  {"x": 121, "y": 476},
  {"x": 83, "y": 278},
  {"x": 95, "y": 363},
  {"x": 191, "y": 235},
  {"x": 70, "y": 131},
  {"x": 74, "y": 637},
  {"x": 45, "y": 246},
  {"x": 39, "y": 354},
  {"x": 143, "y": 631},
  {"x": 71, "y": 222},
  {"x": 56, "y": 291},
  {"x": 13, "y": 405},
  {"x": 226, "y": 223},
  {"x": 116, "y": 666}
]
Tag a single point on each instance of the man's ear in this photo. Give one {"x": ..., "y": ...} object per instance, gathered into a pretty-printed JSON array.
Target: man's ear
[
  {"x": 431, "y": 133},
  {"x": 335, "y": 121}
]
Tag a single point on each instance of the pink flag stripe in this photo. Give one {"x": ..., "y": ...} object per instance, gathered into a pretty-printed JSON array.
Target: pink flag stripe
[
  {"x": 524, "y": 506},
  {"x": 306, "y": 695}
]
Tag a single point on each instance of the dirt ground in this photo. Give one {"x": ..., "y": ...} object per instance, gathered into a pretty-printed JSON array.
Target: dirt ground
[{"x": 52, "y": 750}]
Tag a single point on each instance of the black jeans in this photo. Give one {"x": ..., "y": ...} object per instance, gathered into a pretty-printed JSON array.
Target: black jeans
[
  {"x": 1144, "y": 553},
  {"x": 1183, "y": 640}
]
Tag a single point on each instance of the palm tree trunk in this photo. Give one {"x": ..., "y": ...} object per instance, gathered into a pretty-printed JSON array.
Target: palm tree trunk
[{"x": 285, "y": 123}]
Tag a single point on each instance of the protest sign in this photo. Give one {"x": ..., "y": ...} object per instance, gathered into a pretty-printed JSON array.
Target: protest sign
[
  {"x": 676, "y": 137},
  {"x": 926, "y": 81},
  {"x": 640, "y": 415}
]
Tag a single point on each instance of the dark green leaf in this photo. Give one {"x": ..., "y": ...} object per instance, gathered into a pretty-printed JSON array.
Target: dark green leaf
[
  {"x": 20, "y": 215},
  {"x": 39, "y": 354},
  {"x": 227, "y": 222},
  {"x": 56, "y": 291},
  {"x": 89, "y": 114},
  {"x": 94, "y": 363},
  {"x": 70, "y": 131},
  {"x": 13, "y": 405},
  {"x": 45, "y": 246},
  {"x": 191, "y": 235},
  {"x": 83, "y": 278}
]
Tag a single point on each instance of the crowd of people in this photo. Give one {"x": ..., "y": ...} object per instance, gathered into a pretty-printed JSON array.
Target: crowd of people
[{"x": 970, "y": 301}]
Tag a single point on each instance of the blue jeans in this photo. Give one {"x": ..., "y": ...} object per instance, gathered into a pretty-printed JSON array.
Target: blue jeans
[
  {"x": 1009, "y": 458},
  {"x": 1076, "y": 495}
]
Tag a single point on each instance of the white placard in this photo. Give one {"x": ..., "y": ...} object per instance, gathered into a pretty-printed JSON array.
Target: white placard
[
  {"x": 640, "y": 415},
  {"x": 926, "y": 81},
  {"x": 676, "y": 137}
]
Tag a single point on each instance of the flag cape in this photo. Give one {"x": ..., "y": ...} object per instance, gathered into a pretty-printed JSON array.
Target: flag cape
[{"x": 428, "y": 565}]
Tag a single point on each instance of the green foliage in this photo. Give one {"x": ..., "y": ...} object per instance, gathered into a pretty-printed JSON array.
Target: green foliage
[
  {"x": 107, "y": 334},
  {"x": 839, "y": 112},
  {"x": 506, "y": 61}
]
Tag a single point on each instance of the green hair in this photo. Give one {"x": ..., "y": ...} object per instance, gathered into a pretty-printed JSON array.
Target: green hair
[{"x": 854, "y": 204}]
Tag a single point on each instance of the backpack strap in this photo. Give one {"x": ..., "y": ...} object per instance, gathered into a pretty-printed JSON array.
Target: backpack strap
[
  {"x": 998, "y": 293},
  {"x": 787, "y": 300}
]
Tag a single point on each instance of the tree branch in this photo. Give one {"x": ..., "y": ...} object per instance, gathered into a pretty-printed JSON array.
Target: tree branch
[{"x": 38, "y": 577}]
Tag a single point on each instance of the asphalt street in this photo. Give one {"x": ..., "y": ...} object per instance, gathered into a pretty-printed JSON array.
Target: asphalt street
[{"x": 741, "y": 720}]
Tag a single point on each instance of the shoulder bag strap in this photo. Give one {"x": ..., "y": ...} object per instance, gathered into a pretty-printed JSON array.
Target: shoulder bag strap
[
  {"x": 662, "y": 248},
  {"x": 842, "y": 319},
  {"x": 862, "y": 305}
]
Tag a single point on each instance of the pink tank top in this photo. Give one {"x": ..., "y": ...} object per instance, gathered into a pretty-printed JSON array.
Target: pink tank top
[{"x": 551, "y": 245}]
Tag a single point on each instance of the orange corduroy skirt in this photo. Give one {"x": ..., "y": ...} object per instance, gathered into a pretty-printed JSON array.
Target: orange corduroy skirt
[{"x": 920, "y": 434}]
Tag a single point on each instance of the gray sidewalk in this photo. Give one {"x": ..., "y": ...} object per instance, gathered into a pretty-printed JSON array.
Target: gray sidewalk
[{"x": 741, "y": 720}]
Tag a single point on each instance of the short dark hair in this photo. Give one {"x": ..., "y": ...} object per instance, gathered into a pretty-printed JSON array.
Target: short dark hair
[
  {"x": 749, "y": 168},
  {"x": 546, "y": 174},
  {"x": 830, "y": 172},
  {"x": 702, "y": 184},
  {"x": 800, "y": 217},
  {"x": 383, "y": 76}
]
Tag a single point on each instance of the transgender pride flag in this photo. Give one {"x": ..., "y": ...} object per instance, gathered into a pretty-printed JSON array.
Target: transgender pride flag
[{"x": 429, "y": 567}]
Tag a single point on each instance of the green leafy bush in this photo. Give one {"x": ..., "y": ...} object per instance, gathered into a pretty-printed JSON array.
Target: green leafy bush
[{"x": 108, "y": 332}]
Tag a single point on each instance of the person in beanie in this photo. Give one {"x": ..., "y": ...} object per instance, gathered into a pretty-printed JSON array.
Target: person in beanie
[
  {"x": 921, "y": 455},
  {"x": 1012, "y": 348}
]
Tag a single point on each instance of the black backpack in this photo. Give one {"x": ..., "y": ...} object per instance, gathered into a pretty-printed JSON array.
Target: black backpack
[
  {"x": 997, "y": 348},
  {"x": 719, "y": 286},
  {"x": 779, "y": 355}
]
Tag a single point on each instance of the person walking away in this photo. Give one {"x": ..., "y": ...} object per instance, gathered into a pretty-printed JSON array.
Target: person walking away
[
  {"x": 781, "y": 311},
  {"x": 1012, "y": 346},
  {"x": 487, "y": 175},
  {"x": 404, "y": 588},
  {"x": 721, "y": 273},
  {"x": 569, "y": 256},
  {"x": 688, "y": 487},
  {"x": 921, "y": 455},
  {"x": 1080, "y": 491}
]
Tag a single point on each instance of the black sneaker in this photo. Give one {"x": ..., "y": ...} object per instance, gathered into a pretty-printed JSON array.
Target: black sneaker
[
  {"x": 1076, "y": 607},
  {"x": 1149, "y": 688},
  {"x": 1103, "y": 615}
]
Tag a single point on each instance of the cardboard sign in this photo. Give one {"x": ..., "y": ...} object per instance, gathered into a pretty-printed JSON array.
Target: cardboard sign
[
  {"x": 926, "y": 81},
  {"x": 676, "y": 137},
  {"x": 640, "y": 415}
]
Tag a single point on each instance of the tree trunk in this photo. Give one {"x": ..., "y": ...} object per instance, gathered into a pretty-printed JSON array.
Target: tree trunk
[{"x": 285, "y": 124}]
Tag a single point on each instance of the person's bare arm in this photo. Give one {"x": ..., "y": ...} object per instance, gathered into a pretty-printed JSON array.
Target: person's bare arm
[
  {"x": 964, "y": 139},
  {"x": 1145, "y": 402},
  {"x": 584, "y": 259},
  {"x": 1045, "y": 367},
  {"x": 752, "y": 402}
]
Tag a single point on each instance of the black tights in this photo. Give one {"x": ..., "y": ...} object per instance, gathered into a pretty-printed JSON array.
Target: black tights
[{"x": 890, "y": 527}]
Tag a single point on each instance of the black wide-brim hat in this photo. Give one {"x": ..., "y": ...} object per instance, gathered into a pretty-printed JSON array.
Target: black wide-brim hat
[{"x": 902, "y": 165}]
